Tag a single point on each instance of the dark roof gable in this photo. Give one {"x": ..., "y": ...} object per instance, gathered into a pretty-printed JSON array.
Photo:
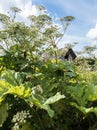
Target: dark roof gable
[{"x": 71, "y": 53}]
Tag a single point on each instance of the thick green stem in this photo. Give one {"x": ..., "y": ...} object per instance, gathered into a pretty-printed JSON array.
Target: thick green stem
[
  {"x": 42, "y": 126},
  {"x": 56, "y": 57}
]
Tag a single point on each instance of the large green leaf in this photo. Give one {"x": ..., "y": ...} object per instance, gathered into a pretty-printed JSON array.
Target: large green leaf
[
  {"x": 3, "y": 113},
  {"x": 12, "y": 77},
  {"x": 85, "y": 110},
  {"x": 48, "y": 109},
  {"x": 78, "y": 93},
  {"x": 42, "y": 104},
  {"x": 34, "y": 101},
  {"x": 6, "y": 88},
  {"x": 92, "y": 92},
  {"x": 54, "y": 98},
  {"x": 21, "y": 91}
]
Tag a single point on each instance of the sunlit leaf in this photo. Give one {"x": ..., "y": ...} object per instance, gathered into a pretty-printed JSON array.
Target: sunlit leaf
[
  {"x": 48, "y": 109},
  {"x": 54, "y": 98}
]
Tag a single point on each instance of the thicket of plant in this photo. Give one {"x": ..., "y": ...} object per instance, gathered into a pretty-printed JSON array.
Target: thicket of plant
[{"x": 37, "y": 93}]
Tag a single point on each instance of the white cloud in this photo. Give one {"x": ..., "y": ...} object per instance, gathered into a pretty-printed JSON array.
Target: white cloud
[
  {"x": 92, "y": 35},
  {"x": 1, "y": 10},
  {"x": 25, "y": 5},
  {"x": 29, "y": 10},
  {"x": 71, "y": 39}
]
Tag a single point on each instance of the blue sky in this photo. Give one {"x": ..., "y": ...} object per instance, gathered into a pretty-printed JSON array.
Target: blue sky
[{"x": 82, "y": 30}]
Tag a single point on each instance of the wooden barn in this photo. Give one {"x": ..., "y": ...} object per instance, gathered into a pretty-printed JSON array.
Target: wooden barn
[
  {"x": 63, "y": 54},
  {"x": 67, "y": 54}
]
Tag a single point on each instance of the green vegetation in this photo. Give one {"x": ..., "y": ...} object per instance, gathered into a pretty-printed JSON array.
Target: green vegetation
[{"x": 38, "y": 93}]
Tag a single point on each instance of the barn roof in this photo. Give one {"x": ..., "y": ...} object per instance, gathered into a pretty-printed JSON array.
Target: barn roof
[
  {"x": 63, "y": 54},
  {"x": 66, "y": 52}
]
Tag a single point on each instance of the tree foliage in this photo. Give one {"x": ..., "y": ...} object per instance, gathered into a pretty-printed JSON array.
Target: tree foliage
[{"x": 38, "y": 93}]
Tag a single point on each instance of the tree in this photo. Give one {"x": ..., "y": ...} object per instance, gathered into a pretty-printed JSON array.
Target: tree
[
  {"x": 38, "y": 94},
  {"x": 25, "y": 79},
  {"x": 90, "y": 50}
]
